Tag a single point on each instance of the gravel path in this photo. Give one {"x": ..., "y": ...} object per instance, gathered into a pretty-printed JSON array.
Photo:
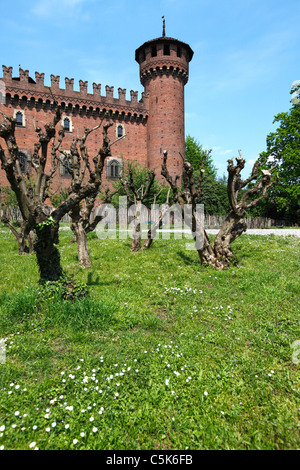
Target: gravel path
[{"x": 267, "y": 231}]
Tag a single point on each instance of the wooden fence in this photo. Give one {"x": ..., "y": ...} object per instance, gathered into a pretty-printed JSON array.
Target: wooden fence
[{"x": 210, "y": 221}]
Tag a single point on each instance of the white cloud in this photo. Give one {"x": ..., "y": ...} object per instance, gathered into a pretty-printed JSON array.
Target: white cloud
[{"x": 57, "y": 8}]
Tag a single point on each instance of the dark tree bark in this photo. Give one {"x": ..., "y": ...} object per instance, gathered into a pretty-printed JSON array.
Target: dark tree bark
[
  {"x": 219, "y": 254},
  {"x": 47, "y": 253}
]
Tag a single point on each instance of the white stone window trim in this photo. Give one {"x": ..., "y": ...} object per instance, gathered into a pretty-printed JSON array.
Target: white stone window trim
[
  {"x": 117, "y": 130},
  {"x": 63, "y": 123},
  {"x": 16, "y": 111},
  {"x": 110, "y": 160}
]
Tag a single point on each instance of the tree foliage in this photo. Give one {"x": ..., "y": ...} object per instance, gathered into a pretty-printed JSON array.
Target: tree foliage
[
  {"x": 214, "y": 191},
  {"x": 139, "y": 176},
  {"x": 283, "y": 148}
]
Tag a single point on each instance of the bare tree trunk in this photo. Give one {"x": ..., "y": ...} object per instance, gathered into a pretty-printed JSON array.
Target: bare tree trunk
[
  {"x": 151, "y": 234},
  {"x": 82, "y": 245},
  {"x": 136, "y": 230},
  {"x": 78, "y": 229}
]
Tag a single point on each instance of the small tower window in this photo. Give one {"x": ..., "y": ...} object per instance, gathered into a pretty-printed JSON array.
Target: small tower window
[
  {"x": 153, "y": 51},
  {"x": 178, "y": 51},
  {"x": 19, "y": 118},
  {"x": 167, "y": 49}
]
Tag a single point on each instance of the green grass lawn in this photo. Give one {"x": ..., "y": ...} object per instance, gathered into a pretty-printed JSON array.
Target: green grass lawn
[{"x": 163, "y": 354}]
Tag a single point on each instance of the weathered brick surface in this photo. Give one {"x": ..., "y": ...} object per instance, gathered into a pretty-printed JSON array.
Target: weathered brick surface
[{"x": 152, "y": 124}]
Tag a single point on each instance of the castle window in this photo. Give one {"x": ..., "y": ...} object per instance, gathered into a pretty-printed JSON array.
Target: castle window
[
  {"x": 153, "y": 51},
  {"x": 114, "y": 168},
  {"x": 19, "y": 116},
  {"x": 178, "y": 51},
  {"x": 64, "y": 167},
  {"x": 167, "y": 49},
  {"x": 67, "y": 124},
  {"x": 120, "y": 131},
  {"x": 23, "y": 162}
]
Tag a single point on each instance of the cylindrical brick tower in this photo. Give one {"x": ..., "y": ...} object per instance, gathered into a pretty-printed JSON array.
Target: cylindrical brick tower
[{"x": 164, "y": 69}]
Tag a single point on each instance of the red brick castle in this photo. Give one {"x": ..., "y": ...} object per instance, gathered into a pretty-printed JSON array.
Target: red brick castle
[{"x": 150, "y": 125}]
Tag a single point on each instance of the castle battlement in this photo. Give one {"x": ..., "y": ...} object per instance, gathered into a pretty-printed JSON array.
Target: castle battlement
[{"x": 24, "y": 89}]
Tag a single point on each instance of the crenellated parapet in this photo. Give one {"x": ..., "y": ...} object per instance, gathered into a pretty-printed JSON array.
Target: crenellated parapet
[{"x": 25, "y": 89}]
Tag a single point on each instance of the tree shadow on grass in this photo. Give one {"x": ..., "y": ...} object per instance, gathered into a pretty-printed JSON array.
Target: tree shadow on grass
[{"x": 188, "y": 259}]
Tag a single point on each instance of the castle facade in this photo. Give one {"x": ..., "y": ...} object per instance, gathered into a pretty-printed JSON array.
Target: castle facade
[{"x": 148, "y": 125}]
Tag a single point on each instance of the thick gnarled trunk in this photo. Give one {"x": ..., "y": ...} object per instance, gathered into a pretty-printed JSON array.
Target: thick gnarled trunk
[
  {"x": 219, "y": 254},
  {"x": 47, "y": 254}
]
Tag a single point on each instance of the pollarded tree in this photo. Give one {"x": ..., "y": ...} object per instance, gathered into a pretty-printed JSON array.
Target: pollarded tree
[
  {"x": 219, "y": 254},
  {"x": 137, "y": 194},
  {"x": 144, "y": 192},
  {"x": 31, "y": 197}
]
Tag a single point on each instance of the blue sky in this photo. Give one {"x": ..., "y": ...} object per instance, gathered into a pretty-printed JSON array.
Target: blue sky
[{"x": 246, "y": 56}]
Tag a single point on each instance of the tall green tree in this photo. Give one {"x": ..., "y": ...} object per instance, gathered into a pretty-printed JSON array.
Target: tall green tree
[
  {"x": 214, "y": 191},
  {"x": 283, "y": 148}
]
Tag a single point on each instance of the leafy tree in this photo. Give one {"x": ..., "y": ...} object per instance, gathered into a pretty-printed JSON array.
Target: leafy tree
[
  {"x": 194, "y": 154},
  {"x": 138, "y": 176},
  {"x": 214, "y": 192},
  {"x": 283, "y": 148}
]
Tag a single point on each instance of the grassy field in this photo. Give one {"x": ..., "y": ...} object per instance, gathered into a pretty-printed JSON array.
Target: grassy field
[{"x": 163, "y": 354}]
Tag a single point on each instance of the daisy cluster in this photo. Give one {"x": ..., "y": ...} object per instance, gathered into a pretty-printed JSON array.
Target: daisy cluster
[{"x": 75, "y": 409}]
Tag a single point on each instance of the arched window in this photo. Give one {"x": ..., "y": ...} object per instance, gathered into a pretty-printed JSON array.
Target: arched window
[
  {"x": 119, "y": 131},
  {"x": 67, "y": 124},
  {"x": 114, "y": 169},
  {"x": 19, "y": 118}
]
